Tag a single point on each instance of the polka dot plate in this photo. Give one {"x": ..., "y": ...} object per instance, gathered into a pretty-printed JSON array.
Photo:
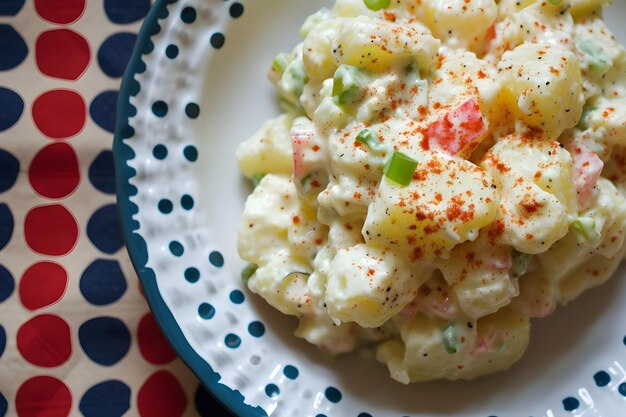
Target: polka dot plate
[{"x": 196, "y": 88}]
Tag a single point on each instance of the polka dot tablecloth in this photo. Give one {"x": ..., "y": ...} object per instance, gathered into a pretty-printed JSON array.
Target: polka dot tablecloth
[{"x": 76, "y": 335}]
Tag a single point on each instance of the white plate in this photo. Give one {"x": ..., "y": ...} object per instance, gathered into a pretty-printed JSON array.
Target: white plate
[{"x": 202, "y": 52}]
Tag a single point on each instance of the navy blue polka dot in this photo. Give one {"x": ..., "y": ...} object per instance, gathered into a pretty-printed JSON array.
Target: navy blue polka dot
[
  {"x": 216, "y": 259},
  {"x": 187, "y": 202},
  {"x": 622, "y": 389},
  {"x": 104, "y": 229},
  {"x": 291, "y": 372},
  {"x": 232, "y": 341},
  {"x": 188, "y": 15},
  {"x": 321, "y": 415},
  {"x": 11, "y": 108},
  {"x": 191, "y": 153},
  {"x": 165, "y": 206},
  {"x": 176, "y": 248},
  {"x": 103, "y": 109},
  {"x": 333, "y": 394},
  {"x": 236, "y": 10},
  {"x": 206, "y": 311},
  {"x": 624, "y": 341},
  {"x": 9, "y": 169},
  {"x": 6, "y": 225},
  {"x": 207, "y": 406},
  {"x": 160, "y": 152},
  {"x": 105, "y": 340},
  {"x": 192, "y": 110},
  {"x": 103, "y": 282},
  {"x": 192, "y": 274},
  {"x": 171, "y": 51},
  {"x": 106, "y": 399},
  {"x": 237, "y": 297},
  {"x": 126, "y": 11},
  {"x": 7, "y": 284},
  {"x": 3, "y": 340},
  {"x": 602, "y": 378},
  {"x": 571, "y": 404},
  {"x": 271, "y": 390},
  {"x": 256, "y": 329},
  {"x": 10, "y": 8},
  {"x": 13, "y": 49},
  {"x": 115, "y": 52},
  {"x": 217, "y": 40},
  {"x": 159, "y": 108},
  {"x": 102, "y": 172},
  {"x": 369, "y": 415}
]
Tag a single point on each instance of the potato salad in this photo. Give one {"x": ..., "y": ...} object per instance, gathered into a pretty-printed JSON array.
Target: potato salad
[{"x": 443, "y": 172}]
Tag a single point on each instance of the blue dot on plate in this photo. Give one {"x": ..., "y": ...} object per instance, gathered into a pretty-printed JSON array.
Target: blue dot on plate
[
  {"x": 171, "y": 51},
  {"x": 232, "y": 341},
  {"x": 237, "y": 297},
  {"x": 236, "y": 10},
  {"x": 9, "y": 170},
  {"x": 364, "y": 415},
  {"x": 3, "y": 340},
  {"x": 333, "y": 394},
  {"x": 216, "y": 259},
  {"x": 104, "y": 229},
  {"x": 103, "y": 110},
  {"x": 10, "y": 8},
  {"x": 208, "y": 406},
  {"x": 159, "y": 108},
  {"x": 4, "y": 405},
  {"x": 165, "y": 206},
  {"x": 622, "y": 389},
  {"x": 191, "y": 153},
  {"x": 188, "y": 15},
  {"x": 602, "y": 378},
  {"x": 106, "y": 399},
  {"x": 105, "y": 340},
  {"x": 115, "y": 52},
  {"x": 217, "y": 40},
  {"x": 103, "y": 282},
  {"x": 192, "y": 274},
  {"x": 6, "y": 225},
  {"x": 271, "y": 390},
  {"x": 321, "y": 415},
  {"x": 256, "y": 329},
  {"x": 11, "y": 108},
  {"x": 7, "y": 284},
  {"x": 13, "y": 49},
  {"x": 102, "y": 172},
  {"x": 206, "y": 311},
  {"x": 192, "y": 110},
  {"x": 126, "y": 11},
  {"x": 291, "y": 372},
  {"x": 176, "y": 248},
  {"x": 187, "y": 202},
  {"x": 571, "y": 404},
  {"x": 160, "y": 152}
]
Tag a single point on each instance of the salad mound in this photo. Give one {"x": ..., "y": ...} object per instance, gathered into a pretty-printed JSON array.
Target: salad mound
[{"x": 442, "y": 173}]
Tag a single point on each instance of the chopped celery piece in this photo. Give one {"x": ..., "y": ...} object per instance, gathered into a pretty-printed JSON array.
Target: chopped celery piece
[
  {"x": 599, "y": 63},
  {"x": 448, "y": 338},
  {"x": 280, "y": 63},
  {"x": 377, "y": 4},
  {"x": 586, "y": 228},
  {"x": 583, "y": 123},
  {"x": 555, "y": 2},
  {"x": 346, "y": 83},
  {"x": 248, "y": 271},
  {"x": 256, "y": 179},
  {"x": 295, "y": 78},
  {"x": 400, "y": 168},
  {"x": 519, "y": 263},
  {"x": 370, "y": 139}
]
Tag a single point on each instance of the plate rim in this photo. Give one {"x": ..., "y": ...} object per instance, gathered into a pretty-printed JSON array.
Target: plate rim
[{"x": 136, "y": 246}]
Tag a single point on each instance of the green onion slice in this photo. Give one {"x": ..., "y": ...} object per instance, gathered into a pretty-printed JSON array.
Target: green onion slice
[
  {"x": 248, "y": 271},
  {"x": 400, "y": 168},
  {"x": 377, "y": 4},
  {"x": 586, "y": 228},
  {"x": 370, "y": 139},
  {"x": 448, "y": 338},
  {"x": 519, "y": 264}
]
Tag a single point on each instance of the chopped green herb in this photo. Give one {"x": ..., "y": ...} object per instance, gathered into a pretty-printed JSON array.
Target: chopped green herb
[
  {"x": 400, "y": 168},
  {"x": 519, "y": 263},
  {"x": 370, "y": 139},
  {"x": 256, "y": 179},
  {"x": 448, "y": 339},
  {"x": 248, "y": 271},
  {"x": 377, "y": 4}
]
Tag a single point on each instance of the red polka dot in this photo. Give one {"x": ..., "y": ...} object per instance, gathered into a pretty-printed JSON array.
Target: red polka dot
[
  {"x": 59, "y": 114},
  {"x": 45, "y": 341},
  {"x": 43, "y": 396},
  {"x": 60, "y": 11},
  {"x": 50, "y": 230},
  {"x": 152, "y": 344},
  {"x": 54, "y": 171},
  {"x": 62, "y": 53},
  {"x": 161, "y": 396},
  {"x": 42, "y": 284}
]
